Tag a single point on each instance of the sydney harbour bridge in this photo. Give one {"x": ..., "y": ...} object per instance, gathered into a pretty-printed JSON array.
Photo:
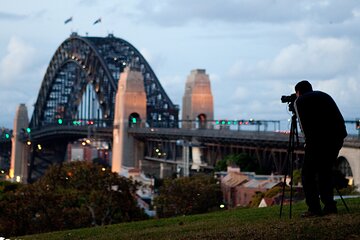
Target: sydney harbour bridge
[{"x": 103, "y": 89}]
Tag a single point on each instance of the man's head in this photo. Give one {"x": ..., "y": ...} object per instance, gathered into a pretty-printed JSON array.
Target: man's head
[{"x": 303, "y": 87}]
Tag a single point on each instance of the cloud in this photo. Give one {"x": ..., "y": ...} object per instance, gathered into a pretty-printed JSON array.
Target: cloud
[
  {"x": 17, "y": 60},
  {"x": 177, "y": 13},
  {"x": 345, "y": 91},
  {"x": 241, "y": 93},
  {"x": 11, "y": 16},
  {"x": 88, "y": 3},
  {"x": 147, "y": 55},
  {"x": 242, "y": 69},
  {"x": 320, "y": 58},
  {"x": 19, "y": 78}
]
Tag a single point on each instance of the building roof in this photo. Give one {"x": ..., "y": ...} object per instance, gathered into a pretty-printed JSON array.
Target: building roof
[
  {"x": 266, "y": 184},
  {"x": 249, "y": 179},
  {"x": 234, "y": 179},
  {"x": 253, "y": 183},
  {"x": 269, "y": 185}
]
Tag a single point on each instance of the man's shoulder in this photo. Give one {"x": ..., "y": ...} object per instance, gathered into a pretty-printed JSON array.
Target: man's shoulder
[{"x": 315, "y": 95}]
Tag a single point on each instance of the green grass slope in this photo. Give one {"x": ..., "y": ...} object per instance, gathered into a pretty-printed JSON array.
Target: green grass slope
[{"x": 242, "y": 223}]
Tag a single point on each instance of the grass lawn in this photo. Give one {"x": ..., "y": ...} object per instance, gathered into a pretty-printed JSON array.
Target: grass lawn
[{"x": 242, "y": 223}]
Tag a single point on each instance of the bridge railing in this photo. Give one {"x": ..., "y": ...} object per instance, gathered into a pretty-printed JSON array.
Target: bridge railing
[
  {"x": 223, "y": 125},
  {"x": 77, "y": 122},
  {"x": 237, "y": 125}
]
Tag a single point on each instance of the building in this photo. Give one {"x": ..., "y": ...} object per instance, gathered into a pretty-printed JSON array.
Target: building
[
  {"x": 239, "y": 187},
  {"x": 82, "y": 150}
]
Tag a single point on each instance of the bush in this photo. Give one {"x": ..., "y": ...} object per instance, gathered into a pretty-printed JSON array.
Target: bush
[{"x": 188, "y": 195}]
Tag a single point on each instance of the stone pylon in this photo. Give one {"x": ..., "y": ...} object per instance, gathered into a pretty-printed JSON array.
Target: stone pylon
[
  {"x": 130, "y": 111},
  {"x": 197, "y": 110},
  {"x": 197, "y": 100},
  {"x": 19, "y": 150}
]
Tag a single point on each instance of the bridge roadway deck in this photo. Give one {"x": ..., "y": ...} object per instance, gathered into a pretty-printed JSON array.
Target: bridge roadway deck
[
  {"x": 223, "y": 136},
  {"x": 70, "y": 132},
  {"x": 259, "y": 138}
]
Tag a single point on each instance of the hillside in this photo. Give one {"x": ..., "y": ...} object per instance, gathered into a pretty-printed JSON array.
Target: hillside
[{"x": 244, "y": 223}]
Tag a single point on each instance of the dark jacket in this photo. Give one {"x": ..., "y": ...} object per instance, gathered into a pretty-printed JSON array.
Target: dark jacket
[{"x": 320, "y": 119}]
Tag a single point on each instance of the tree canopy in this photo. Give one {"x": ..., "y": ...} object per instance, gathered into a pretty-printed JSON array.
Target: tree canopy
[
  {"x": 246, "y": 163},
  {"x": 71, "y": 195}
]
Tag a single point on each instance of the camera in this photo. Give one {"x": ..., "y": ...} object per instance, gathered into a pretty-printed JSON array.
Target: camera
[{"x": 288, "y": 99}]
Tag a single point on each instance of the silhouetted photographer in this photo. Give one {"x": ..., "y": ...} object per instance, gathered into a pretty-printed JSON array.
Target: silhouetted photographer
[{"x": 324, "y": 129}]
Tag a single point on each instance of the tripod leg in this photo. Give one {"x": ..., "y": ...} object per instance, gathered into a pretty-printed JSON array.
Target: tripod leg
[
  {"x": 282, "y": 196},
  {"x": 290, "y": 151},
  {"x": 291, "y": 183},
  {"x": 342, "y": 199}
]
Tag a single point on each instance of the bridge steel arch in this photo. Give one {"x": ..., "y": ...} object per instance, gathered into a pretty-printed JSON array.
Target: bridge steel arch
[
  {"x": 80, "y": 61},
  {"x": 79, "y": 64}
]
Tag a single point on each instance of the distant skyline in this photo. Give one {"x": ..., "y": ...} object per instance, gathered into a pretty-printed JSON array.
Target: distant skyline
[{"x": 254, "y": 51}]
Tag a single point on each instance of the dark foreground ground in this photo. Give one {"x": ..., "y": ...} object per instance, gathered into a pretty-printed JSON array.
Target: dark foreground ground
[{"x": 242, "y": 223}]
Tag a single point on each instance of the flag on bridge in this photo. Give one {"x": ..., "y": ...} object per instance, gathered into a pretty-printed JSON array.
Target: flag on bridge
[
  {"x": 97, "y": 21},
  {"x": 68, "y": 20}
]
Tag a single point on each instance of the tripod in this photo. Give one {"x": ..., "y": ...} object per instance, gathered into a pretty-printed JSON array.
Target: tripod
[{"x": 290, "y": 160}]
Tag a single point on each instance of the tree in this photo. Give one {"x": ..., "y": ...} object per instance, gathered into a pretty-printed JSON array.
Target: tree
[
  {"x": 6, "y": 186},
  {"x": 72, "y": 195},
  {"x": 188, "y": 195},
  {"x": 105, "y": 194},
  {"x": 244, "y": 161},
  {"x": 221, "y": 165},
  {"x": 296, "y": 177},
  {"x": 256, "y": 199},
  {"x": 9, "y": 206}
]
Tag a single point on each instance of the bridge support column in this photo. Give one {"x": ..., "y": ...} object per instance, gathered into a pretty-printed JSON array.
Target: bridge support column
[
  {"x": 130, "y": 111},
  {"x": 196, "y": 158},
  {"x": 19, "y": 150},
  {"x": 197, "y": 100},
  {"x": 165, "y": 170},
  {"x": 352, "y": 155}
]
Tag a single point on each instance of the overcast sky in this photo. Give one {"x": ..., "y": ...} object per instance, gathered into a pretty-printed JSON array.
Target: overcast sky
[{"x": 254, "y": 51}]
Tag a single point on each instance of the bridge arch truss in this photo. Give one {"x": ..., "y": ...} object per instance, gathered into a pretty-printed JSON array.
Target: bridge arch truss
[{"x": 92, "y": 66}]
